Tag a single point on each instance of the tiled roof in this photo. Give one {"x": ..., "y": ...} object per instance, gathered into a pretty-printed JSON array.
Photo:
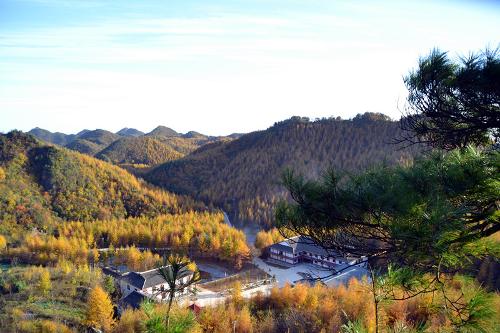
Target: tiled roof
[
  {"x": 134, "y": 299},
  {"x": 299, "y": 244},
  {"x": 151, "y": 278}
]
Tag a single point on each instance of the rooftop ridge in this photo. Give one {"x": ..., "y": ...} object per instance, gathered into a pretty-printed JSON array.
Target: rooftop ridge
[{"x": 153, "y": 269}]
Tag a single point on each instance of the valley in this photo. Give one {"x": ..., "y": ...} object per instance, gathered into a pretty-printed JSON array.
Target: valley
[{"x": 98, "y": 208}]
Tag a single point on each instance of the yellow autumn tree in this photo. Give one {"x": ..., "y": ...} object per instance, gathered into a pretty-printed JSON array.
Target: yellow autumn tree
[
  {"x": 3, "y": 243},
  {"x": 236, "y": 296},
  {"x": 244, "y": 322},
  {"x": 99, "y": 310},
  {"x": 263, "y": 239},
  {"x": 45, "y": 285},
  {"x": 2, "y": 174}
]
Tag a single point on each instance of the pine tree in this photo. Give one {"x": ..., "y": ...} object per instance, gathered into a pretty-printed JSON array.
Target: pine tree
[{"x": 99, "y": 310}]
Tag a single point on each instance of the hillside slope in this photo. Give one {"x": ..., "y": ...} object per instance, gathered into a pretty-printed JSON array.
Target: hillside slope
[
  {"x": 41, "y": 184},
  {"x": 243, "y": 175},
  {"x": 138, "y": 150},
  {"x": 92, "y": 142},
  {"x": 56, "y": 138}
]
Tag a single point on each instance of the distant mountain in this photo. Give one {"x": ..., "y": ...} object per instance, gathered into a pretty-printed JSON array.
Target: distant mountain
[
  {"x": 163, "y": 131},
  {"x": 194, "y": 134},
  {"x": 92, "y": 142},
  {"x": 236, "y": 135},
  {"x": 82, "y": 132},
  {"x": 41, "y": 184},
  {"x": 99, "y": 136},
  {"x": 242, "y": 176},
  {"x": 164, "y": 144},
  {"x": 85, "y": 147},
  {"x": 129, "y": 132},
  {"x": 138, "y": 150},
  {"x": 57, "y": 138}
]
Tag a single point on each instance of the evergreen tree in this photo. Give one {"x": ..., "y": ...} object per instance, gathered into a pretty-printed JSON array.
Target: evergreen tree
[
  {"x": 426, "y": 220},
  {"x": 454, "y": 103}
]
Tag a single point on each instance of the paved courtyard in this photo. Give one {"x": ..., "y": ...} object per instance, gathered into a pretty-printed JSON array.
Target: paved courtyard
[
  {"x": 302, "y": 271},
  {"x": 207, "y": 297}
]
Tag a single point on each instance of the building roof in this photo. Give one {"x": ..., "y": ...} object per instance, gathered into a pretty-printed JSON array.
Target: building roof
[
  {"x": 151, "y": 278},
  {"x": 299, "y": 244},
  {"x": 113, "y": 272},
  {"x": 134, "y": 299}
]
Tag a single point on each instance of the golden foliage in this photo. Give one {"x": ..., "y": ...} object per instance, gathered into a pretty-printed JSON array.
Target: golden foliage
[
  {"x": 135, "y": 259},
  {"x": 43, "y": 326},
  {"x": 99, "y": 310},
  {"x": 3, "y": 242},
  {"x": 244, "y": 322},
  {"x": 131, "y": 321},
  {"x": 264, "y": 238},
  {"x": 139, "y": 150},
  {"x": 205, "y": 233},
  {"x": 45, "y": 284},
  {"x": 46, "y": 184}
]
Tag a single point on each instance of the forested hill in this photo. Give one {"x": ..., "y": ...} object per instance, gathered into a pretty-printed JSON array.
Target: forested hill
[
  {"x": 138, "y": 150},
  {"x": 91, "y": 142},
  {"x": 243, "y": 175},
  {"x": 41, "y": 184},
  {"x": 129, "y": 146}
]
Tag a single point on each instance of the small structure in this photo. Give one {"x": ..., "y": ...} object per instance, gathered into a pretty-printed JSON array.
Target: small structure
[
  {"x": 299, "y": 249},
  {"x": 195, "y": 308}
]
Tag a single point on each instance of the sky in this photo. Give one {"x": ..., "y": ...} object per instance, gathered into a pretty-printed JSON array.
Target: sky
[{"x": 219, "y": 67}]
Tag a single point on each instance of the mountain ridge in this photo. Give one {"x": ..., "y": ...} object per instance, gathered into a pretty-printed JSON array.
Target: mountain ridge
[
  {"x": 142, "y": 149},
  {"x": 242, "y": 176}
]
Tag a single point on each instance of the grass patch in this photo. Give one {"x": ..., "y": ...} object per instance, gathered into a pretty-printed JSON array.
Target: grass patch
[{"x": 57, "y": 309}]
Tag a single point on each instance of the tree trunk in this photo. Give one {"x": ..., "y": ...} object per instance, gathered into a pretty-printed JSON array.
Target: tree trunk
[{"x": 170, "y": 300}]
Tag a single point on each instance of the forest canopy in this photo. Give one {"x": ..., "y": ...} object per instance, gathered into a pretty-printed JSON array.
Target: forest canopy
[
  {"x": 42, "y": 184},
  {"x": 241, "y": 176}
]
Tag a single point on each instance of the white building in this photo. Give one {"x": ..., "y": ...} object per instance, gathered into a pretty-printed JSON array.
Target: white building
[
  {"x": 149, "y": 284},
  {"x": 302, "y": 249}
]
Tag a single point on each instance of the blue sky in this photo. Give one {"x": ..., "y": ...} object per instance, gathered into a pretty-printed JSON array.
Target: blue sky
[{"x": 219, "y": 67}]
